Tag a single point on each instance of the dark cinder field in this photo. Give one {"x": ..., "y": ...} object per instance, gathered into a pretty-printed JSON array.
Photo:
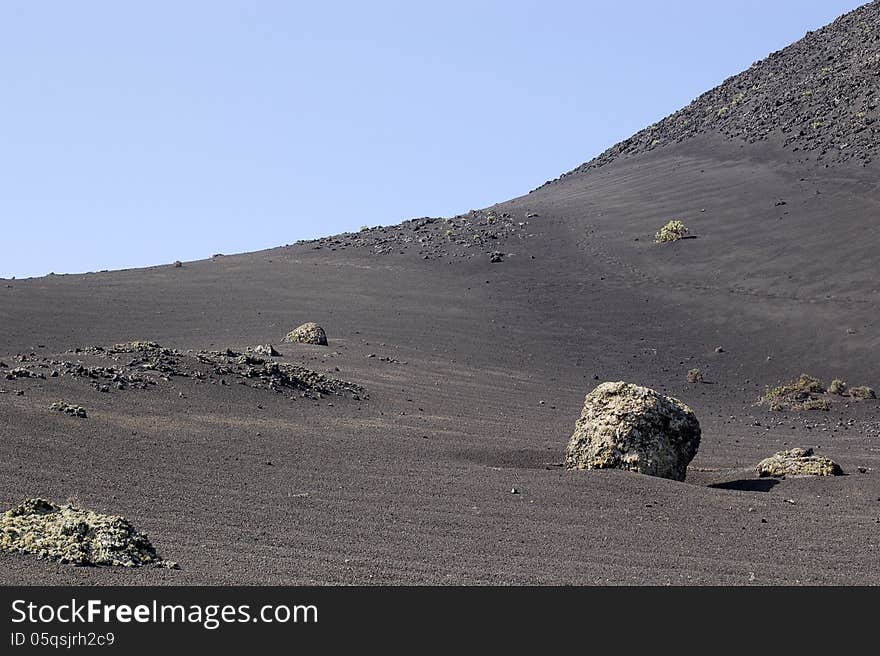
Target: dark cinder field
[{"x": 476, "y": 372}]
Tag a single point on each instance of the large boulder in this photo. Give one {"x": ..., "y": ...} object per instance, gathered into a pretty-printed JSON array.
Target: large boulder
[
  {"x": 308, "y": 333},
  {"x": 797, "y": 462},
  {"x": 625, "y": 426}
]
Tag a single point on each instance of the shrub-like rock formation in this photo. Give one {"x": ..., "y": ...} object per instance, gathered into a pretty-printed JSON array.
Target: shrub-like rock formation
[
  {"x": 800, "y": 394},
  {"x": 308, "y": 333},
  {"x": 808, "y": 393},
  {"x": 625, "y": 426},
  {"x": 71, "y": 535},
  {"x": 672, "y": 231},
  {"x": 798, "y": 462},
  {"x": 862, "y": 392}
]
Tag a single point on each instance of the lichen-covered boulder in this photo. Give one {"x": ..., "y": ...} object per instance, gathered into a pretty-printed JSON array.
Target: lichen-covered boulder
[
  {"x": 308, "y": 333},
  {"x": 71, "y": 535},
  {"x": 625, "y": 426},
  {"x": 798, "y": 462}
]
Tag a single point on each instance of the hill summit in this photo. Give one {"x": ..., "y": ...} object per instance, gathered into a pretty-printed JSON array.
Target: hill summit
[{"x": 817, "y": 98}]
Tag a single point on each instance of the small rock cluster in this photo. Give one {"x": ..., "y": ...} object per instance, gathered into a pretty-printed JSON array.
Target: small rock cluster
[
  {"x": 67, "y": 408},
  {"x": 22, "y": 372},
  {"x": 101, "y": 377},
  {"x": 809, "y": 393},
  {"x": 256, "y": 371},
  {"x": 142, "y": 364},
  {"x": 71, "y": 535},
  {"x": 480, "y": 233}
]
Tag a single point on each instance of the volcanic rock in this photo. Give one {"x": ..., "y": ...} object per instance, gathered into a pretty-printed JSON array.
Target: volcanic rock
[
  {"x": 71, "y": 535},
  {"x": 798, "y": 462},
  {"x": 266, "y": 349},
  {"x": 67, "y": 408},
  {"x": 625, "y": 426}
]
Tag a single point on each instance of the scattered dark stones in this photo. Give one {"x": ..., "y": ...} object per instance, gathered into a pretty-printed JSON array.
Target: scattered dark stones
[
  {"x": 144, "y": 364},
  {"x": 280, "y": 376},
  {"x": 463, "y": 236},
  {"x": 496, "y": 257},
  {"x": 23, "y": 372}
]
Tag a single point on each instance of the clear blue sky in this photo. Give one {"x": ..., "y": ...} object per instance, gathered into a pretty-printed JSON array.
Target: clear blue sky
[{"x": 134, "y": 134}]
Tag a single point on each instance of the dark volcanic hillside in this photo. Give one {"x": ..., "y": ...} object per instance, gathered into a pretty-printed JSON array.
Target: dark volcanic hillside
[
  {"x": 425, "y": 443},
  {"x": 818, "y": 97}
]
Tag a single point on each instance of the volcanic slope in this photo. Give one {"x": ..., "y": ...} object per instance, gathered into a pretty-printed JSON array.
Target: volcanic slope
[
  {"x": 818, "y": 97},
  {"x": 447, "y": 468}
]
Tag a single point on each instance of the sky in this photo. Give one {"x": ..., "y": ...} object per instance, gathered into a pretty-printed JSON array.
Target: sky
[{"x": 135, "y": 134}]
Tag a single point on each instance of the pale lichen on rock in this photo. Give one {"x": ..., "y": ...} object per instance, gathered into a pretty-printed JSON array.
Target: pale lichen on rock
[
  {"x": 675, "y": 230},
  {"x": 71, "y": 535},
  {"x": 797, "y": 462},
  {"x": 625, "y": 426},
  {"x": 308, "y": 333},
  {"x": 862, "y": 392}
]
